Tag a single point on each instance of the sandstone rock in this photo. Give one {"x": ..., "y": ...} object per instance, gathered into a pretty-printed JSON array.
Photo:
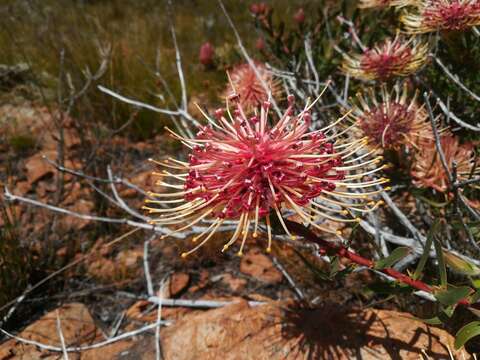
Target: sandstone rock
[
  {"x": 256, "y": 264},
  {"x": 109, "y": 352},
  {"x": 77, "y": 327},
  {"x": 81, "y": 206},
  {"x": 234, "y": 283},
  {"x": 281, "y": 331},
  {"x": 37, "y": 168},
  {"x": 178, "y": 283}
]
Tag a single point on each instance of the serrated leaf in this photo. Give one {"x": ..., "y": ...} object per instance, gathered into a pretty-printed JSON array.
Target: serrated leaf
[
  {"x": 460, "y": 265},
  {"x": 396, "y": 255},
  {"x": 452, "y": 295},
  {"x": 466, "y": 333}
]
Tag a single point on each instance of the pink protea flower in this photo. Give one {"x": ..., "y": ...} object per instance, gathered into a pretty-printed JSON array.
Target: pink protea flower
[
  {"x": 433, "y": 15},
  {"x": 398, "y": 57},
  {"x": 363, "y": 4},
  {"x": 299, "y": 16},
  {"x": 260, "y": 44},
  {"x": 245, "y": 83},
  {"x": 206, "y": 54},
  {"x": 393, "y": 121},
  {"x": 259, "y": 9},
  {"x": 428, "y": 171},
  {"x": 243, "y": 169}
]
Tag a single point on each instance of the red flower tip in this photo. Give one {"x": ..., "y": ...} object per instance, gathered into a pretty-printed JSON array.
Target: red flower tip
[
  {"x": 299, "y": 16},
  {"x": 206, "y": 54}
]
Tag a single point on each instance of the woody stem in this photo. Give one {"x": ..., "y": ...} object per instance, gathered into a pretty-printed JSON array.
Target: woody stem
[{"x": 342, "y": 251}]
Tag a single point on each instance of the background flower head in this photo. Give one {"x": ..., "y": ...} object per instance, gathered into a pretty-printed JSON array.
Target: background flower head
[
  {"x": 252, "y": 91},
  {"x": 428, "y": 170},
  {"x": 391, "y": 119},
  {"x": 397, "y": 57},
  {"x": 433, "y": 15},
  {"x": 363, "y": 4}
]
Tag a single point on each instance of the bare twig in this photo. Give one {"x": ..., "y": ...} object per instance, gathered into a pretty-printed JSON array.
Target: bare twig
[
  {"x": 279, "y": 266},
  {"x": 403, "y": 219},
  {"x": 116, "y": 325},
  {"x": 98, "y": 345},
  {"x": 249, "y": 60},
  {"x": 455, "y": 79},
  {"x": 353, "y": 32},
  {"x": 158, "y": 350},
  {"x": 62, "y": 338},
  {"x": 10, "y": 197},
  {"x": 198, "y": 304},
  {"x": 146, "y": 266},
  {"x": 308, "y": 53},
  {"x": 438, "y": 145},
  {"x": 138, "y": 103}
]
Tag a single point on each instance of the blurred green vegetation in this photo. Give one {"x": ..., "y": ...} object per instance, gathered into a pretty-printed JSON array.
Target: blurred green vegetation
[{"x": 37, "y": 32}]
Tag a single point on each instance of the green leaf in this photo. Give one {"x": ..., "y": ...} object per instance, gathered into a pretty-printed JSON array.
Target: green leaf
[
  {"x": 475, "y": 297},
  {"x": 460, "y": 265},
  {"x": 448, "y": 311},
  {"x": 466, "y": 333},
  {"x": 452, "y": 295},
  {"x": 426, "y": 252},
  {"x": 315, "y": 271},
  {"x": 476, "y": 283},
  {"x": 432, "y": 321},
  {"x": 334, "y": 266},
  {"x": 442, "y": 270},
  {"x": 396, "y": 255}
]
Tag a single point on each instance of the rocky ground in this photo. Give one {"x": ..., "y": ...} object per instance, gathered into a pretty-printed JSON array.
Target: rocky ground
[{"x": 259, "y": 306}]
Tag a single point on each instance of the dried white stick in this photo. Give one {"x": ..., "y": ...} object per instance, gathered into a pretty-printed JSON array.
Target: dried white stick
[
  {"x": 116, "y": 325},
  {"x": 101, "y": 344},
  {"x": 290, "y": 280},
  {"x": 308, "y": 53},
  {"x": 199, "y": 304},
  {"x": 62, "y": 338},
  {"x": 455, "y": 79},
  {"x": 353, "y": 32},
  {"x": 120, "y": 201},
  {"x": 10, "y": 197},
  {"x": 158, "y": 351},
  {"x": 454, "y": 117},
  {"x": 137, "y": 103},
  {"x": 146, "y": 266},
  {"x": 403, "y": 219}
]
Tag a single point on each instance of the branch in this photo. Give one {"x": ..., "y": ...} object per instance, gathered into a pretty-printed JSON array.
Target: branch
[
  {"x": 455, "y": 79},
  {"x": 342, "y": 251}
]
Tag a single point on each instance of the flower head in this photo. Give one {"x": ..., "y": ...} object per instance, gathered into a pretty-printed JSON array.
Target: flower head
[
  {"x": 251, "y": 90},
  {"x": 433, "y": 15},
  {"x": 299, "y": 16},
  {"x": 242, "y": 169},
  {"x": 259, "y": 9},
  {"x": 392, "y": 121},
  {"x": 206, "y": 54},
  {"x": 428, "y": 171},
  {"x": 398, "y": 57},
  {"x": 363, "y": 4}
]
